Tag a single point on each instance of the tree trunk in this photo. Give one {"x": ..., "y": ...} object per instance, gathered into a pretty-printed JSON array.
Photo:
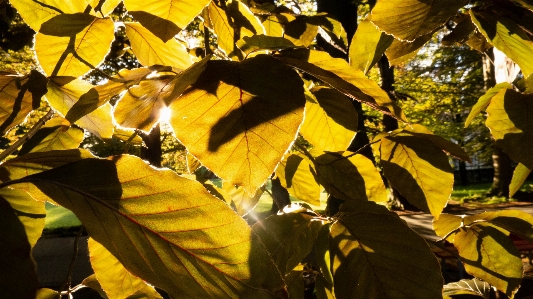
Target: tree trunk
[{"x": 501, "y": 162}]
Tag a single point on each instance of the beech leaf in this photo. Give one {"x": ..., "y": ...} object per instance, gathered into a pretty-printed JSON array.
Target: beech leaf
[
  {"x": 295, "y": 175},
  {"x": 367, "y": 46},
  {"x": 520, "y": 174}
]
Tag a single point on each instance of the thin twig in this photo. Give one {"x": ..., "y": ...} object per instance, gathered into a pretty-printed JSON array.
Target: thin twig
[
  {"x": 28, "y": 135},
  {"x": 68, "y": 280}
]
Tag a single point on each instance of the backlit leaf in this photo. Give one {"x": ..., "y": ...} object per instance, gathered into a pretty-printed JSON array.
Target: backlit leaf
[
  {"x": 350, "y": 177},
  {"x": 331, "y": 31},
  {"x": 446, "y": 145},
  {"x": 518, "y": 222},
  {"x": 409, "y": 19},
  {"x": 53, "y": 136},
  {"x": 30, "y": 212},
  {"x": 47, "y": 294},
  {"x": 468, "y": 287},
  {"x": 165, "y": 229},
  {"x": 299, "y": 30},
  {"x": 324, "y": 281},
  {"x": 249, "y": 44},
  {"x": 509, "y": 121},
  {"x": 295, "y": 175},
  {"x": 375, "y": 255},
  {"x": 90, "y": 45},
  {"x": 107, "y": 7},
  {"x": 489, "y": 254},
  {"x": 419, "y": 170},
  {"x": 478, "y": 42},
  {"x": 289, "y": 238},
  {"x": 330, "y": 124},
  {"x": 150, "y": 50},
  {"x": 124, "y": 80},
  {"x": 67, "y": 24},
  {"x": 484, "y": 101},
  {"x": 367, "y": 46},
  {"x": 462, "y": 31},
  {"x": 243, "y": 23},
  {"x": 115, "y": 280},
  {"x": 240, "y": 200},
  {"x": 227, "y": 117},
  {"x": 273, "y": 27},
  {"x": 165, "y": 18},
  {"x": 401, "y": 51},
  {"x": 17, "y": 278},
  {"x": 520, "y": 174},
  {"x": 447, "y": 223},
  {"x": 507, "y": 36},
  {"x": 524, "y": 3},
  {"x": 140, "y": 107},
  {"x": 63, "y": 96},
  {"x": 340, "y": 75},
  {"x": 35, "y": 13}
]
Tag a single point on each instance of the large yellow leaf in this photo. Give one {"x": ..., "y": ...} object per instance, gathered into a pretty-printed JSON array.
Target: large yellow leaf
[
  {"x": 34, "y": 13},
  {"x": 509, "y": 121},
  {"x": 116, "y": 281},
  {"x": 367, "y": 46},
  {"x": 18, "y": 278},
  {"x": 295, "y": 174},
  {"x": 409, "y": 19},
  {"x": 165, "y": 18},
  {"x": 53, "y": 136},
  {"x": 74, "y": 55},
  {"x": 484, "y": 101},
  {"x": 375, "y": 255},
  {"x": 489, "y": 254},
  {"x": 150, "y": 50},
  {"x": 165, "y": 229},
  {"x": 140, "y": 107},
  {"x": 239, "y": 119},
  {"x": 348, "y": 176},
  {"x": 121, "y": 82},
  {"x": 243, "y": 23},
  {"x": 330, "y": 124},
  {"x": 63, "y": 96},
  {"x": 419, "y": 170},
  {"x": 507, "y": 36}
]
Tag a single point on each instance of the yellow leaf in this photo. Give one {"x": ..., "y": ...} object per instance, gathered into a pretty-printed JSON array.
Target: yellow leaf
[
  {"x": 116, "y": 281},
  {"x": 229, "y": 115},
  {"x": 150, "y": 50},
  {"x": 240, "y": 200},
  {"x": 63, "y": 96},
  {"x": 14, "y": 105},
  {"x": 106, "y": 9},
  {"x": 165, "y": 18},
  {"x": 52, "y": 136},
  {"x": 91, "y": 45},
  {"x": 273, "y": 27},
  {"x": 331, "y": 124},
  {"x": 294, "y": 173},
  {"x": 34, "y": 13},
  {"x": 367, "y": 46}
]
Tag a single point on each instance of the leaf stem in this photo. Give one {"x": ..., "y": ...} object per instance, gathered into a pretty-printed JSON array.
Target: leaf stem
[
  {"x": 68, "y": 280},
  {"x": 28, "y": 135}
]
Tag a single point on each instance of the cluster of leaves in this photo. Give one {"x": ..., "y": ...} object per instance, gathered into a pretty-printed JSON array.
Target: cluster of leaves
[{"x": 238, "y": 111}]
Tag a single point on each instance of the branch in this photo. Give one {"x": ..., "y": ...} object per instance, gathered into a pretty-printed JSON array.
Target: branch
[
  {"x": 68, "y": 280},
  {"x": 28, "y": 135}
]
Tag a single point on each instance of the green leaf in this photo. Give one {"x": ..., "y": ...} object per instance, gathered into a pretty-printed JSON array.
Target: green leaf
[
  {"x": 409, "y": 19},
  {"x": 227, "y": 117},
  {"x": 370, "y": 255},
  {"x": 165, "y": 229},
  {"x": 47, "y": 294},
  {"x": 340, "y": 75},
  {"x": 402, "y": 51},
  {"x": 141, "y": 106},
  {"x": 150, "y": 49},
  {"x": 489, "y": 254},
  {"x": 30, "y": 212},
  {"x": 114, "y": 279},
  {"x": 17, "y": 278},
  {"x": 330, "y": 124},
  {"x": 165, "y": 18},
  {"x": 484, "y": 101},
  {"x": 295, "y": 175},
  {"x": 35, "y": 13},
  {"x": 367, "y": 46},
  {"x": 250, "y": 44},
  {"x": 507, "y": 36},
  {"x": 243, "y": 23},
  {"x": 473, "y": 286},
  {"x": 348, "y": 176},
  {"x": 56, "y": 53},
  {"x": 446, "y": 145},
  {"x": 67, "y": 24},
  {"x": 509, "y": 121},
  {"x": 289, "y": 238},
  {"x": 53, "y": 136},
  {"x": 62, "y": 97},
  {"x": 419, "y": 170},
  {"x": 520, "y": 174}
]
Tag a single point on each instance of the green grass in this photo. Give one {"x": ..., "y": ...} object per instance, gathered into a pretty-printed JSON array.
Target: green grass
[{"x": 59, "y": 218}]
